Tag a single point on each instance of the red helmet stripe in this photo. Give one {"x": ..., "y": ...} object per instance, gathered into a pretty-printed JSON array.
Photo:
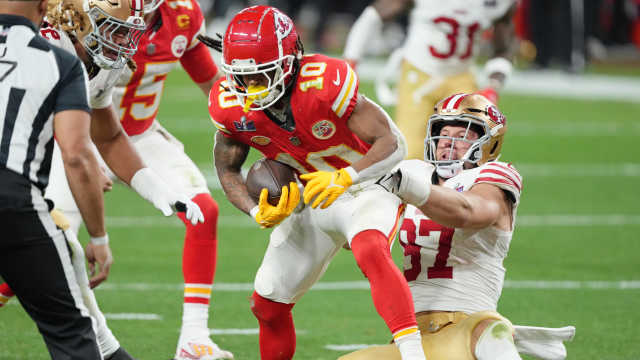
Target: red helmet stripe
[{"x": 453, "y": 101}]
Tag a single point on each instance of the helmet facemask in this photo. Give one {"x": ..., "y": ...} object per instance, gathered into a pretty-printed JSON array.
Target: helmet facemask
[
  {"x": 450, "y": 167},
  {"x": 111, "y": 41},
  {"x": 276, "y": 72},
  {"x": 150, "y": 6}
]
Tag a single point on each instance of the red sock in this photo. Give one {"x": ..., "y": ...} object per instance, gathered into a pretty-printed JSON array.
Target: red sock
[
  {"x": 277, "y": 332},
  {"x": 389, "y": 290},
  {"x": 5, "y": 293},
  {"x": 199, "y": 252}
]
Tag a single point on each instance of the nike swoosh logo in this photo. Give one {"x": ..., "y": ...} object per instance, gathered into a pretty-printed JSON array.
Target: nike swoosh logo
[{"x": 336, "y": 82}]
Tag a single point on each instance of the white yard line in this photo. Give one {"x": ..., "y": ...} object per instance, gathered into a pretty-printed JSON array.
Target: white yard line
[
  {"x": 132, "y": 316},
  {"x": 523, "y": 220},
  {"x": 364, "y": 285},
  {"x": 349, "y": 347}
]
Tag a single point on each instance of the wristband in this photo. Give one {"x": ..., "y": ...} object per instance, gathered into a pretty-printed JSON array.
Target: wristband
[
  {"x": 498, "y": 65},
  {"x": 353, "y": 173},
  {"x": 254, "y": 211},
  {"x": 99, "y": 240}
]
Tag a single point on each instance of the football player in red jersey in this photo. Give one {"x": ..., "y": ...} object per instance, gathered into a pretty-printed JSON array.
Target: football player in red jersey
[
  {"x": 306, "y": 111},
  {"x": 171, "y": 38}
]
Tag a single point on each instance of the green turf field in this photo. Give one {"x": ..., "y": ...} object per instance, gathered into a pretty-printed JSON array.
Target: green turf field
[{"x": 576, "y": 242}]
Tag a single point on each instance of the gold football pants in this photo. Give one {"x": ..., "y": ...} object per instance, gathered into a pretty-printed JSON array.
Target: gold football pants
[{"x": 445, "y": 336}]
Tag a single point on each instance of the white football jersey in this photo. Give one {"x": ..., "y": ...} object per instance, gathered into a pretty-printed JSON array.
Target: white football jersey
[
  {"x": 459, "y": 269},
  {"x": 100, "y": 86},
  {"x": 443, "y": 36}
]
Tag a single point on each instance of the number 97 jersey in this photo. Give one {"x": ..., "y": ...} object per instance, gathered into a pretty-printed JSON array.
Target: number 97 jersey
[
  {"x": 312, "y": 133},
  {"x": 453, "y": 269}
]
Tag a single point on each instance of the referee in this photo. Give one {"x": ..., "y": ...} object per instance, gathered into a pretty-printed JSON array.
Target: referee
[{"x": 37, "y": 80}]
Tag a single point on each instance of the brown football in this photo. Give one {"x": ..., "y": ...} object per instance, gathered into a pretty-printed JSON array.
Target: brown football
[{"x": 269, "y": 174}]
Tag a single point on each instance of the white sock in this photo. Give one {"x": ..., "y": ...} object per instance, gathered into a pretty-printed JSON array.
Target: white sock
[
  {"x": 195, "y": 318},
  {"x": 410, "y": 346},
  {"x": 496, "y": 343}
]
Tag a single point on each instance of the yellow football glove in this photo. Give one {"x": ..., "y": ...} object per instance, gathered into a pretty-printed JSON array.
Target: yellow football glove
[
  {"x": 269, "y": 215},
  {"x": 328, "y": 186}
]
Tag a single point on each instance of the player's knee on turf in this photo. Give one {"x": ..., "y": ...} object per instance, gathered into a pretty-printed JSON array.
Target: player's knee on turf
[{"x": 493, "y": 339}]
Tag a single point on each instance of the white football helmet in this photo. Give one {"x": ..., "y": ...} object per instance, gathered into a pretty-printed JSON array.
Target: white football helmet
[{"x": 476, "y": 113}]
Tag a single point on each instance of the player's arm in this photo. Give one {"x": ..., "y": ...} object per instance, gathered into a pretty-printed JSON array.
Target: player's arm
[
  {"x": 482, "y": 206},
  {"x": 369, "y": 24},
  {"x": 199, "y": 64},
  {"x": 113, "y": 144},
  {"x": 500, "y": 66},
  {"x": 372, "y": 124},
  {"x": 229, "y": 155},
  {"x": 72, "y": 135},
  {"x": 123, "y": 159}
]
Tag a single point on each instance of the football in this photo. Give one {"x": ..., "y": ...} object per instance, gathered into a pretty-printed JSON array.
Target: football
[{"x": 269, "y": 174}]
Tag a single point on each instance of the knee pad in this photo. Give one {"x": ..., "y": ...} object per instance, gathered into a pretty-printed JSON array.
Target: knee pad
[{"x": 496, "y": 342}]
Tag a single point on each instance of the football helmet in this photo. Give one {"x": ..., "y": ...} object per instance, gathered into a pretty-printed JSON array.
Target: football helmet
[
  {"x": 151, "y": 5},
  {"x": 260, "y": 40},
  {"x": 476, "y": 113},
  {"x": 108, "y": 29}
]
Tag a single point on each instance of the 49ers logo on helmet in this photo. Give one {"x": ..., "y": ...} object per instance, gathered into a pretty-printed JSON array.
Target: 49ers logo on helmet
[
  {"x": 495, "y": 115},
  {"x": 283, "y": 24}
]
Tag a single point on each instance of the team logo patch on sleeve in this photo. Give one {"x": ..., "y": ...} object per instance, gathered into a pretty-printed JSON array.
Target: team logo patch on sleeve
[
  {"x": 323, "y": 129},
  {"x": 179, "y": 45}
]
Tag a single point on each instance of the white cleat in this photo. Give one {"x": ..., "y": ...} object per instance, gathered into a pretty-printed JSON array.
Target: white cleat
[{"x": 201, "y": 348}]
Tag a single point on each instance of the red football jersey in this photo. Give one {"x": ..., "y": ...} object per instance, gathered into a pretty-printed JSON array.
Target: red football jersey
[
  {"x": 322, "y": 101},
  {"x": 137, "y": 95}
]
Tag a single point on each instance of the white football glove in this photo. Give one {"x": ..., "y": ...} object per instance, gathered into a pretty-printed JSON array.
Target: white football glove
[
  {"x": 410, "y": 180},
  {"x": 149, "y": 185}
]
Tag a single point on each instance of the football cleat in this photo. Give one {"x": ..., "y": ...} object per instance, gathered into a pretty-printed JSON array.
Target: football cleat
[{"x": 202, "y": 348}]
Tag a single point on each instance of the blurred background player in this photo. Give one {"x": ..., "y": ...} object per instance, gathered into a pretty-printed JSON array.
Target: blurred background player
[
  {"x": 44, "y": 90},
  {"x": 438, "y": 54},
  {"x": 104, "y": 35},
  {"x": 456, "y": 234},
  {"x": 306, "y": 111},
  {"x": 171, "y": 37}
]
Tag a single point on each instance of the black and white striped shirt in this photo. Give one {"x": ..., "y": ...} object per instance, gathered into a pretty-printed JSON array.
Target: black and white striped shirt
[{"x": 37, "y": 79}]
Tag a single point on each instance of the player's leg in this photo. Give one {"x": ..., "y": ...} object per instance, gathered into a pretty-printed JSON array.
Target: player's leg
[
  {"x": 166, "y": 156},
  {"x": 49, "y": 292},
  {"x": 493, "y": 339},
  {"x": 297, "y": 256},
  {"x": 371, "y": 234},
  {"x": 109, "y": 345},
  {"x": 58, "y": 191}
]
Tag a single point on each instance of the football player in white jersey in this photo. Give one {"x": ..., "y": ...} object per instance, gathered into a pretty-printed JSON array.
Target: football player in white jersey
[
  {"x": 442, "y": 42},
  {"x": 104, "y": 35},
  {"x": 456, "y": 234}
]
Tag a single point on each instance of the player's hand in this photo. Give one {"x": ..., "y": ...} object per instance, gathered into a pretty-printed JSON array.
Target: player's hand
[
  {"x": 410, "y": 181},
  {"x": 107, "y": 183},
  {"x": 149, "y": 185},
  {"x": 100, "y": 254},
  {"x": 268, "y": 215},
  {"x": 325, "y": 186},
  {"x": 490, "y": 93}
]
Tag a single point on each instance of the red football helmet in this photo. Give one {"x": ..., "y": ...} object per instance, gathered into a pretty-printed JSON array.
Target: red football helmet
[{"x": 261, "y": 40}]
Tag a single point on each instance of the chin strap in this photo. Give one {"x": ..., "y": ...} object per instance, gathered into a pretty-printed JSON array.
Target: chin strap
[{"x": 449, "y": 171}]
